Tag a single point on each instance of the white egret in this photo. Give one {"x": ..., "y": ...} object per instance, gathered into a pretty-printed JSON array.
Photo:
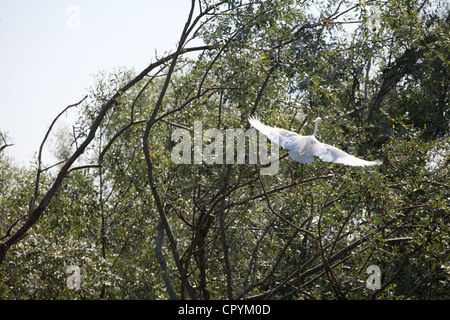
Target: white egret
[{"x": 304, "y": 148}]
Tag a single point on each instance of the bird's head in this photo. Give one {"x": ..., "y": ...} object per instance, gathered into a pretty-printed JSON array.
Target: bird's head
[{"x": 318, "y": 120}]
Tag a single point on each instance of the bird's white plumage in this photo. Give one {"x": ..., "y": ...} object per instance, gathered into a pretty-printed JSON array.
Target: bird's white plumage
[{"x": 303, "y": 149}]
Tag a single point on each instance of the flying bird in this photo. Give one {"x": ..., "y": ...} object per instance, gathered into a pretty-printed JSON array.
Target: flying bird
[{"x": 304, "y": 148}]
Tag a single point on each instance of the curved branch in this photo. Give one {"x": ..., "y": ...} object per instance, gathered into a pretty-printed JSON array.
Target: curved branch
[{"x": 36, "y": 212}]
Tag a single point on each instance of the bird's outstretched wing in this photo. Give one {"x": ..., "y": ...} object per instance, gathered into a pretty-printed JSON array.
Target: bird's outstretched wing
[
  {"x": 284, "y": 138},
  {"x": 304, "y": 148},
  {"x": 328, "y": 153}
]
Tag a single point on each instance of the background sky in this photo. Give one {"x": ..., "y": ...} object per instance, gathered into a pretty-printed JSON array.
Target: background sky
[{"x": 51, "y": 49}]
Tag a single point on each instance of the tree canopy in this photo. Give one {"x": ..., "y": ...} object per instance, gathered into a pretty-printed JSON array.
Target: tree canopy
[{"x": 137, "y": 225}]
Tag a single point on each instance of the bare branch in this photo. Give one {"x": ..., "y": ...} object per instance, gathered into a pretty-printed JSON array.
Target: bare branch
[
  {"x": 5, "y": 143},
  {"x": 35, "y": 212}
]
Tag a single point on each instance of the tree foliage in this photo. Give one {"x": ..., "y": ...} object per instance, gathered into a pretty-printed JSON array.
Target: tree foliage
[{"x": 140, "y": 226}]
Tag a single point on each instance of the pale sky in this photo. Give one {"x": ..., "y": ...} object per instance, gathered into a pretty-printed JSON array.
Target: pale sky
[{"x": 50, "y": 50}]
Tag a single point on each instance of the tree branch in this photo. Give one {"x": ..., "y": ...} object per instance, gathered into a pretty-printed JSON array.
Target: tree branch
[
  {"x": 145, "y": 142},
  {"x": 36, "y": 212}
]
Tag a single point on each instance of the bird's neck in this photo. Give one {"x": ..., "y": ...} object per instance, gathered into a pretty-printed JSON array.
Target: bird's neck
[{"x": 315, "y": 128}]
